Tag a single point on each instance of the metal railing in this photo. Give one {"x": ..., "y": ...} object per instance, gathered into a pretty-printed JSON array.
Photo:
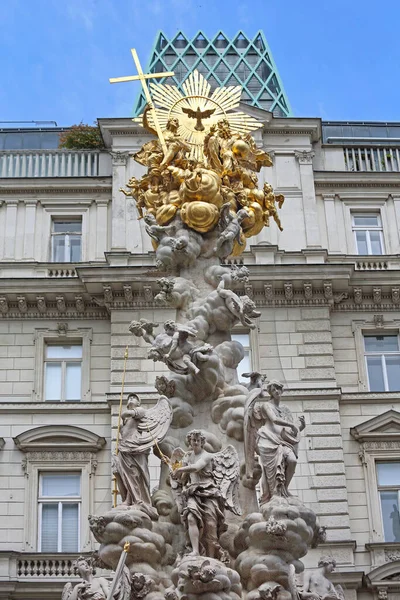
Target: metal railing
[
  {"x": 49, "y": 163},
  {"x": 377, "y": 159}
]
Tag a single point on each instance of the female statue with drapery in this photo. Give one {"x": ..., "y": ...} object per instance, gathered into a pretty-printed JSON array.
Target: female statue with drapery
[
  {"x": 271, "y": 433},
  {"x": 141, "y": 430}
]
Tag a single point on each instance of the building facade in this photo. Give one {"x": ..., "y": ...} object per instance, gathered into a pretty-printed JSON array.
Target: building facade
[
  {"x": 76, "y": 266},
  {"x": 223, "y": 61}
]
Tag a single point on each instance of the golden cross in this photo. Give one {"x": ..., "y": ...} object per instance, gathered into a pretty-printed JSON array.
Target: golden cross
[{"x": 142, "y": 78}]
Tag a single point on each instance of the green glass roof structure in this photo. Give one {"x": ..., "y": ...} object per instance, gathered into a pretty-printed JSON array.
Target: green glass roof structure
[{"x": 223, "y": 61}]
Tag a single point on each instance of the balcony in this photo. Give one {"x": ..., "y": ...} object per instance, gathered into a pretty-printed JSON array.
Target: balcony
[
  {"x": 54, "y": 163},
  {"x": 378, "y": 159}
]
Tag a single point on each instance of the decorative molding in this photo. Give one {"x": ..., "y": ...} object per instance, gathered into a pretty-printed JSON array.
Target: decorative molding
[
  {"x": 305, "y": 157},
  {"x": 22, "y": 304},
  {"x": 357, "y": 295},
  {"x": 4, "y": 305},
  {"x": 47, "y": 440},
  {"x": 269, "y": 292},
  {"x": 41, "y": 304},
  {"x": 148, "y": 293},
  {"x": 119, "y": 158},
  {"x": 79, "y": 304},
  {"x": 288, "y": 289},
  {"x": 60, "y": 303},
  {"x": 128, "y": 294},
  {"x": 108, "y": 293},
  {"x": 308, "y": 290},
  {"x": 378, "y": 321},
  {"x": 395, "y": 295},
  {"x": 377, "y": 295},
  {"x": 52, "y": 191}
]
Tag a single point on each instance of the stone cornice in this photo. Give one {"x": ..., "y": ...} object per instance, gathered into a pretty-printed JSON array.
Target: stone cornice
[
  {"x": 361, "y": 398},
  {"x": 54, "y": 407},
  {"x": 48, "y": 186},
  {"x": 350, "y": 179}
]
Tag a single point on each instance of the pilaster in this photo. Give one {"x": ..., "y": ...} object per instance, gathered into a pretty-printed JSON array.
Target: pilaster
[
  {"x": 118, "y": 232},
  {"x": 29, "y": 233},
  {"x": 305, "y": 158},
  {"x": 11, "y": 228}
]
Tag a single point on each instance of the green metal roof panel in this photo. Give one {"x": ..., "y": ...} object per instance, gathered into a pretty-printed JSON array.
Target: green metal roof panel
[{"x": 223, "y": 61}]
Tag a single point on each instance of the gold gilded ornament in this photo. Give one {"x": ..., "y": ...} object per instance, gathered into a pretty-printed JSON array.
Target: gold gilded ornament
[
  {"x": 200, "y": 216},
  {"x": 201, "y": 168}
]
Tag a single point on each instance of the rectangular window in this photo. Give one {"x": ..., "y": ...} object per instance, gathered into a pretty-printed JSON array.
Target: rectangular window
[
  {"x": 245, "y": 364},
  {"x": 63, "y": 373},
  {"x": 388, "y": 475},
  {"x": 368, "y": 233},
  {"x": 59, "y": 501},
  {"x": 382, "y": 356},
  {"x": 66, "y": 241}
]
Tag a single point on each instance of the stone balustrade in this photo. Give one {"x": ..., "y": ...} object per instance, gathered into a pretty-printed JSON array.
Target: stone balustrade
[{"x": 50, "y": 163}]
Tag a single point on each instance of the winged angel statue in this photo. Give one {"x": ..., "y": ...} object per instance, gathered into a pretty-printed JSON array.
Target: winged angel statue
[
  {"x": 141, "y": 430},
  {"x": 204, "y": 487}
]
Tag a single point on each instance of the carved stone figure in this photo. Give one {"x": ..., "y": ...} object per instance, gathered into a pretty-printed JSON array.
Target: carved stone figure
[
  {"x": 141, "y": 430},
  {"x": 174, "y": 348},
  {"x": 90, "y": 588},
  {"x": 316, "y": 584},
  {"x": 272, "y": 434},
  {"x": 231, "y": 233},
  {"x": 143, "y": 328},
  {"x": 207, "y": 485},
  {"x": 243, "y": 308}
]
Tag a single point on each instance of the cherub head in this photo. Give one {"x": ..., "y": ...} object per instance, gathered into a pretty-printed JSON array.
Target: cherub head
[
  {"x": 169, "y": 327},
  {"x": 241, "y": 215},
  {"x": 135, "y": 327},
  {"x": 133, "y": 401},
  {"x": 195, "y": 438},
  {"x": 328, "y": 562},
  {"x": 150, "y": 219}
]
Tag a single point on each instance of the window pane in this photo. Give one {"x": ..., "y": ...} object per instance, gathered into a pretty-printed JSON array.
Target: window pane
[
  {"x": 381, "y": 343},
  {"x": 366, "y": 220},
  {"x": 53, "y": 381},
  {"x": 61, "y": 485},
  {"x": 361, "y": 237},
  {"x": 376, "y": 246},
  {"x": 67, "y": 226},
  {"x": 49, "y": 532},
  {"x": 390, "y": 516},
  {"x": 375, "y": 375},
  {"x": 388, "y": 473},
  {"x": 69, "y": 528},
  {"x": 58, "y": 249},
  {"x": 74, "y": 351},
  {"x": 73, "y": 381},
  {"x": 75, "y": 248},
  {"x": 393, "y": 372}
]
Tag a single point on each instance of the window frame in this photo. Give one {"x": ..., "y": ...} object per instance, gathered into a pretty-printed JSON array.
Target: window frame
[
  {"x": 361, "y": 328},
  {"x": 42, "y": 337},
  {"x": 60, "y": 501},
  {"x": 242, "y": 331},
  {"x": 64, "y": 363},
  {"x": 379, "y": 228},
  {"x": 386, "y": 489},
  {"x": 54, "y": 235},
  {"x": 69, "y": 211},
  {"x": 383, "y": 358}
]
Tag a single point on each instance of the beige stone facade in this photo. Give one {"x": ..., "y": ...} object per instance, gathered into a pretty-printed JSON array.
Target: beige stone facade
[{"x": 319, "y": 299}]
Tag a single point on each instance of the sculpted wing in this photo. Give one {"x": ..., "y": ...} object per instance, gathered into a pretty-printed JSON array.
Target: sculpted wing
[
  {"x": 67, "y": 591},
  {"x": 250, "y": 430},
  {"x": 188, "y": 111},
  {"x": 154, "y": 425},
  {"x": 226, "y": 471},
  {"x": 207, "y": 113}
]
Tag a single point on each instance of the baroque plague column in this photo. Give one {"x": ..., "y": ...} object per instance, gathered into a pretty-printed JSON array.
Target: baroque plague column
[{"x": 203, "y": 533}]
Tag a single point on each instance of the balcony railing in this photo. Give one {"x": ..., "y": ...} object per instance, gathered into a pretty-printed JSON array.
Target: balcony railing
[
  {"x": 377, "y": 159},
  {"x": 49, "y": 163}
]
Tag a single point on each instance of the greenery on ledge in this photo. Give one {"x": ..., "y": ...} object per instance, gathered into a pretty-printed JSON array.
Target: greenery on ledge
[{"x": 82, "y": 137}]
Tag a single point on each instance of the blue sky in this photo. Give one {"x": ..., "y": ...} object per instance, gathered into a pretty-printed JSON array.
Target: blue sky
[{"x": 339, "y": 60}]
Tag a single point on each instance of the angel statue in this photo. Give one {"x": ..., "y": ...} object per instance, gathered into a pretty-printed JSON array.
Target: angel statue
[
  {"x": 141, "y": 430},
  {"x": 174, "y": 348},
  {"x": 230, "y": 225},
  {"x": 271, "y": 433},
  {"x": 204, "y": 487},
  {"x": 240, "y": 307}
]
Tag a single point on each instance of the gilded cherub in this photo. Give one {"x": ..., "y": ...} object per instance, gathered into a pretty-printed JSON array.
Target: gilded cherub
[{"x": 269, "y": 203}]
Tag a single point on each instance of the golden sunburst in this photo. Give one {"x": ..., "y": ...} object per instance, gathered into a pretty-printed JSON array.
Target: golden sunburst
[{"x": 197, "y": 111}]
